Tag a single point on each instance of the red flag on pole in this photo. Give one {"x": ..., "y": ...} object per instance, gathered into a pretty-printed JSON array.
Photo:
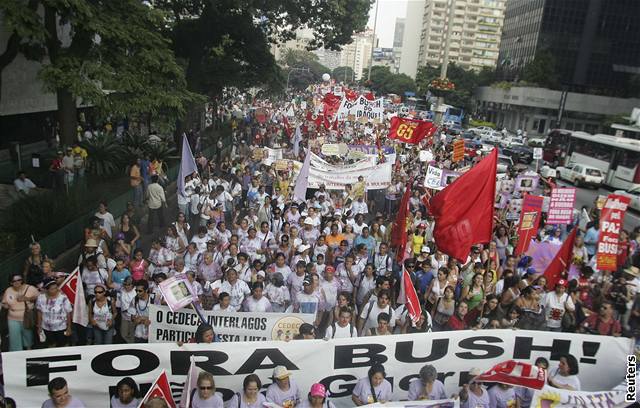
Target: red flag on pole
[
  {"x": 409, "y": 297},
  {"x": 463, "y": 211},
  {"x": 515, "y": 373},
  {"x": 562, "y": 261},
  {"x": 399, "y": 231},
  {"x": 159, "y": 389},
  {"x": 72, "y": 287},
  {"x": 409, "y": 130},
  {"x": 331, "y": 103}
]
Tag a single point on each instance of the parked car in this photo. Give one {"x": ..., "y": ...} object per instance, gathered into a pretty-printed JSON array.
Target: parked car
[
  {"x": 511, "y": 141},
  {"x": 537, "y": 141},
  {"x": 634, "y": 195},
  {"x": 547, "y": 171},
  {"x": 491, "y": 136},
  {"x": 479, "y": 129},
  {"x": 519, "y": 154},
  {"x": 505, "y": 164},
  {"x": 579, "y": 174}
]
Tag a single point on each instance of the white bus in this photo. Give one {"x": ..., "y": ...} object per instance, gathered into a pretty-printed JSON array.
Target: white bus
[{"x": 618, "y": 158}]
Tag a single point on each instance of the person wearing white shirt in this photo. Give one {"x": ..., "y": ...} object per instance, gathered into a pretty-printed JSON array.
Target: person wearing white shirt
[
  {"x": 359, "y": 206},
  {"x": 106, "y": 218},
  {"x": 556, "y": 304},
  {"x": 343, "y": 328},
  {"x": 22, "y": 184},
  {"x": 359, "y": 224}
]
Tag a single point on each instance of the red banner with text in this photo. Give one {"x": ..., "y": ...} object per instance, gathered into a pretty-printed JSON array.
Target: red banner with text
[
  {"x": 529, "y": 221},
  {"x": 611, "y": 222},
  {"x": 409, "y": 130}
]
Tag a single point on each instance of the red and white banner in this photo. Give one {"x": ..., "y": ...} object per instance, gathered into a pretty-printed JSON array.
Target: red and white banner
[
  {"x": 160, "y": 390},
  {"x": 72, "y": 287},
  {"x": 410, "y": 130},
  {"x": 611, "y": 221},
  {"x": 409, "y": 297},
  {"x": 561, "y": 206},
  {"x": 529, "y": 221},
  {"x": 515, "y": 373}
]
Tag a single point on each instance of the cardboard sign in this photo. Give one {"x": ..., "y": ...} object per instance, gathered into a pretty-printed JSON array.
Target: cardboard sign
[
  {"x": 611, "y": 222},
  {"x": 458, "y": 150},
  {"x": 561, "y": 206}
]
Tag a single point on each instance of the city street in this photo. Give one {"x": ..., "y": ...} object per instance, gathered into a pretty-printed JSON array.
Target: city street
[{"x": 587, "y": 196}]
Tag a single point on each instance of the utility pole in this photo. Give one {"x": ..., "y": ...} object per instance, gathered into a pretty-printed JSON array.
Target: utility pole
[
  {"x": 373, "y": 39},
  {"x": 445, "y": 57}
]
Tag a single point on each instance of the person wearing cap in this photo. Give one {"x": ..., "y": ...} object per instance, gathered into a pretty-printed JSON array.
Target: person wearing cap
[
  {"x": 556, "y": 304},
  {"x": 53, "y": 314},
  {"x": 318, "y": 398},
  {"x": 427, "y": 386},
  {"x": 284, "y": 391},
  {"x": 473, "y": 394},
  {"x": 309, "y": 232},
  {"x": 307, "y": 301}
]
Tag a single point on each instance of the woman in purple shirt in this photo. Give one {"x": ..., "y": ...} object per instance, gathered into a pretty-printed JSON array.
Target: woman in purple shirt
[{"x": 372, "y": 388}]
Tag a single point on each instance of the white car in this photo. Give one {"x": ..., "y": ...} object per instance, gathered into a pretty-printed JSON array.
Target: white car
[
  {"x": 579, "y": 174},
  {"x": 634, "y": 195},
  {"x": 546, "y": 172},
  {"x": 479, "y": 129},
  {"x": 491, "y": 136},
  {"x": 505, "y": 163},
  {"x": 511, "y": 141}
]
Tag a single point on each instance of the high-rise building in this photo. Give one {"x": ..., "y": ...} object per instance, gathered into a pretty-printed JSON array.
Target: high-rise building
[
  {"x": 398, "y": 32},
  {"x": 357, "y": 54},
  {"x": 411, "y": 38},
  {"x": 595, "y": 44},
  {"x": 472, "y": 27}
]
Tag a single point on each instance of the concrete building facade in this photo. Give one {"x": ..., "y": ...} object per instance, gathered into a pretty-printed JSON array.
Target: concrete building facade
[
  {"x": 536, "y": 110},
  {"x": 475, "y": 31}
]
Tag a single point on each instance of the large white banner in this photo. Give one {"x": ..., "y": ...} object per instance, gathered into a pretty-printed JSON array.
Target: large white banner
[
  {"x": 93, "y": 371},
  {"x": 361, "y": 108},
  {"x": 558, "y": 398},
  {"x": 167, "y": 326}
]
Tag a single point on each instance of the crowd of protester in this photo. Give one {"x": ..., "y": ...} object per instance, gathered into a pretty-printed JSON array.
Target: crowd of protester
[{"x": 248, "y": 246}]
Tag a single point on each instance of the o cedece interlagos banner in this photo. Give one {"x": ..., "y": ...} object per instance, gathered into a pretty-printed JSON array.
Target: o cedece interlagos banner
[
  {"x": 93, "y": 371},
  {"x": 180, "y": 326}
]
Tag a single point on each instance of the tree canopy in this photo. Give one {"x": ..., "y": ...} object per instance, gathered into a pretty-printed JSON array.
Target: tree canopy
[
  {"x": 383, "y": 81},
  {"x": 466, "y": 81}
]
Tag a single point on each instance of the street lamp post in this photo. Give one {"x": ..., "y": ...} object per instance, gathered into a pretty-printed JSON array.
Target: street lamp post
[{"x": 289, "y": 75}]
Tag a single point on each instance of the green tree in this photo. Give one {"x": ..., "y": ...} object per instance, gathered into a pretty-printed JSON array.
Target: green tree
[
  {"x": 542, "y": 71},
  {"x": 113, "y": 56},
  {"x": 340, "y": 73},
  {"x": 227, "y": 42}
]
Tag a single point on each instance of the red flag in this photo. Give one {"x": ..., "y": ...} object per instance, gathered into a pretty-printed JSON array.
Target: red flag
[
  {"x": 159, "y": 389},
  {"x": 287, "y": 127},
  {"x": 529, "y": 220},
  {"x": 561, "y": 262},
  {"x": 463, "y": 211},
  {"x": 515, "y": 373},
  {"x": 409, "y": 130},
  {"x": 425, "y": 201},
  {"x": 369, "y": 95},
  {"x": 399, "y": 231},
  {"x": 72, "y": 287},
  {"x": 331, "y": 103},
  {"x": 409, "y": 297},
  {"x": 351, "y": 95}
]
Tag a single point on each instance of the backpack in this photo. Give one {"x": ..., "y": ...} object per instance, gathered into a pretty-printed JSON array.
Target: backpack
[
  {"x": 371, "y": 308},
  {"x": 333, "y": 326}
]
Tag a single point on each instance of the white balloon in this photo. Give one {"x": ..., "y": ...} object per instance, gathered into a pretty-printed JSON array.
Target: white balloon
[{"x": 326, "y": 77}]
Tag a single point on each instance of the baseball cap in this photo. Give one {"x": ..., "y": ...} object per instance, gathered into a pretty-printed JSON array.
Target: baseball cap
[
  {"x": 318, "y": 390},
  {"x": 308, "y": 221},
  {"x": 329, "y": 269},
  {"x": 261, "y": 273},
  {"x": 562, "y": 282},
  {"x": 426, "y": 249},
  {"x": 48, "y": 282},
  {"x": 281, "y": 372},
  {"x": 307, "y": 281}
]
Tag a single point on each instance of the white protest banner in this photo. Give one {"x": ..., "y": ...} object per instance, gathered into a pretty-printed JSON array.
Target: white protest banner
[
  {"x": 434, "y": 177},
  {"x": 561, "y": 206},
  {"x": 177, "y": 291},
  {"x": 273, "y": 154},
  {"x": 335, "y": 177},
  {"x": 181, "y": 325},
  {"x": 444, "y": 403},
  {"x": 93, "y": 371},
  {"x": 559, "y": 398},
  {"x": 425, "y": 156},
  {"x": 369, "y": 110}
]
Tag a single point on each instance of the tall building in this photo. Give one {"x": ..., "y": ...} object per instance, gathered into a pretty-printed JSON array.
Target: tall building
[
  {"x": 475, "y": 30},
  {"x": 411, "y": 38},
  {"x": 328, "y": 58},
  {"x": 595, "y": 43},
  {"x": 357, "y": 54},
  {"x": 300, "y": 43},
  {"x": 398, "y": 35}
]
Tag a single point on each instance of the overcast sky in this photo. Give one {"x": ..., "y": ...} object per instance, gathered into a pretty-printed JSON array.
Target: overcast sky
[{"x": 387, "y": 13}]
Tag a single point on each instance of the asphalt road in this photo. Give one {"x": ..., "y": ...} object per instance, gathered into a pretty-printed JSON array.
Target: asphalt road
[{"x": 587, "y": 196}]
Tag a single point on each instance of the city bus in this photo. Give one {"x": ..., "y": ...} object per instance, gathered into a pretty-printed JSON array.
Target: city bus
[{"x": 618, "y": 158}]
